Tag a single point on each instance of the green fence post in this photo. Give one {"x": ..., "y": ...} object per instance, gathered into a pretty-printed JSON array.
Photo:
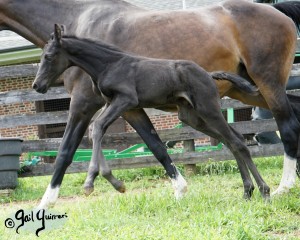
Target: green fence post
[{"x": 230, "y": 115}]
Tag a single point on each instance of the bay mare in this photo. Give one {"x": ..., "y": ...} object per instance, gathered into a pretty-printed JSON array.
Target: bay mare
[
  {"x": 127, "y": 82},
  {"x": 253, "y": 40}
]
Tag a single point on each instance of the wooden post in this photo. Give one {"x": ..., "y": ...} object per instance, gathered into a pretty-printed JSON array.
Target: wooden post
[{"x": 189, "y": 146}]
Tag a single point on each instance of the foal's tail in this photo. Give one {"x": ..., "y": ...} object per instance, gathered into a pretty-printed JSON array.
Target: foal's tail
[
  {"x": 290, "y": 9},
  {"x": 237, "y": 81}
]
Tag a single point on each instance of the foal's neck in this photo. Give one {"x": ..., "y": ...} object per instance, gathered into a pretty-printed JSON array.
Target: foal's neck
[{"x": 92, "y": 57}]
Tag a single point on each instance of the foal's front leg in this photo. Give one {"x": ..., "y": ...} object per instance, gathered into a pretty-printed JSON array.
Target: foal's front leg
[
  {"x": 108, "y": 115},
  {"x": 139, "y": 120},
  {"x": 78, "y": 120},
  {"x": 98, "y": 157}
]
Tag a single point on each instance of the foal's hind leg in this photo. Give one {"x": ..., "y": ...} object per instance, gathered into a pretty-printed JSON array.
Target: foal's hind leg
[{"x": 213, "y": 124}]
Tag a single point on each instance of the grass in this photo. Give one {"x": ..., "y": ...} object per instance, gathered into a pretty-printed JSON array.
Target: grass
[{"x": 212, "y": 209}]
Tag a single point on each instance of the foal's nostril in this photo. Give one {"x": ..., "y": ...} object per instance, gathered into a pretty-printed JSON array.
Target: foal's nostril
[{"x": 34, "y": 86}]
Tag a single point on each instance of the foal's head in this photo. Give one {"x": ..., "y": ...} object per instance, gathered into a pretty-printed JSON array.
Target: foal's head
[{"x": 54, "y": 62}]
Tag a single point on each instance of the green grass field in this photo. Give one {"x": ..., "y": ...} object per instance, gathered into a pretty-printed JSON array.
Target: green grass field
[{"x": 213, "y": 208}]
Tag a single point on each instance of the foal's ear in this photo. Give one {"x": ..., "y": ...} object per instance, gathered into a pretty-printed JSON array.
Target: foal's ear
[
  {"x": 57, "y": 32},
  {"x": 63, "y": 29}
]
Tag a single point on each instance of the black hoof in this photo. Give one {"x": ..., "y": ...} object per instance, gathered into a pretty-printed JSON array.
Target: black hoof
[
  {"x": 120, "y": 187},
  {"x": 247, "y": 196},
  {"x": 88, "y": 190},
  {"x": 266, "y": 196}
]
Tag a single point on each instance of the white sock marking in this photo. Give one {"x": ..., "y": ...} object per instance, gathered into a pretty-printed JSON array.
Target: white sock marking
[
  {"x": 49, "y": 198},
  {"x": 179, "y": 186},
  {"x": 288, "y": 176}
]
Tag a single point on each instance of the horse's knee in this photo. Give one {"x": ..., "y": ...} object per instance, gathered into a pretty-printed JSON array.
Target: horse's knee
[
  {"x": 97, "y": 132},
  {"x": 90, "y": 131},
  {"x": 237, "y": 145},
  {"x": 63, "y": 162}
]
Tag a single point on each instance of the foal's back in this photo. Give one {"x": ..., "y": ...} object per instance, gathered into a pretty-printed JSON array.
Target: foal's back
[{"x": 159, "y": 82}]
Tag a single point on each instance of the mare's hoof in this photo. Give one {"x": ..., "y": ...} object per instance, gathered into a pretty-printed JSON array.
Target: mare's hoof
[{"x": 88, "y": 190}]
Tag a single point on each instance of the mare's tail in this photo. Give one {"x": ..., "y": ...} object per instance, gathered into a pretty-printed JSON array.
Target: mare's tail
[
  {"x": 290, "y": 9},
  {"x": 238, "y": 82}
]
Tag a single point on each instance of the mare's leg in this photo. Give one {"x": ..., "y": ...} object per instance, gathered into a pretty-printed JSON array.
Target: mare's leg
[
  {"x": 287, "y": 122},
  {"x": 212, "y": 122},
  {"x": 295, "y": 102},
  {"x": 78, "y": 121},
  {"x": 270, "y": 69},
  {"x": 289, "y": 129}
]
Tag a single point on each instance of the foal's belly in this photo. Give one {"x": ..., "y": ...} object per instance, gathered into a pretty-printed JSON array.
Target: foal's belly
[{"x": 153, "y": 99}]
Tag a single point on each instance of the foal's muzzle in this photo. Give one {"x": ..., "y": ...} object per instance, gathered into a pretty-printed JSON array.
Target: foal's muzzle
[{"x": 40, "y": 89}]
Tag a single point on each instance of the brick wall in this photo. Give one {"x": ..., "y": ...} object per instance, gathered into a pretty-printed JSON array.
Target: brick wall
[
  {"x": 160, "y": 122},
  {"x": 26, "y": 132}
]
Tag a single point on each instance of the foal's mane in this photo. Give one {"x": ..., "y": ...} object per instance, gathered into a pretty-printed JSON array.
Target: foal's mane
[{"x": 76, "y": 45}]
